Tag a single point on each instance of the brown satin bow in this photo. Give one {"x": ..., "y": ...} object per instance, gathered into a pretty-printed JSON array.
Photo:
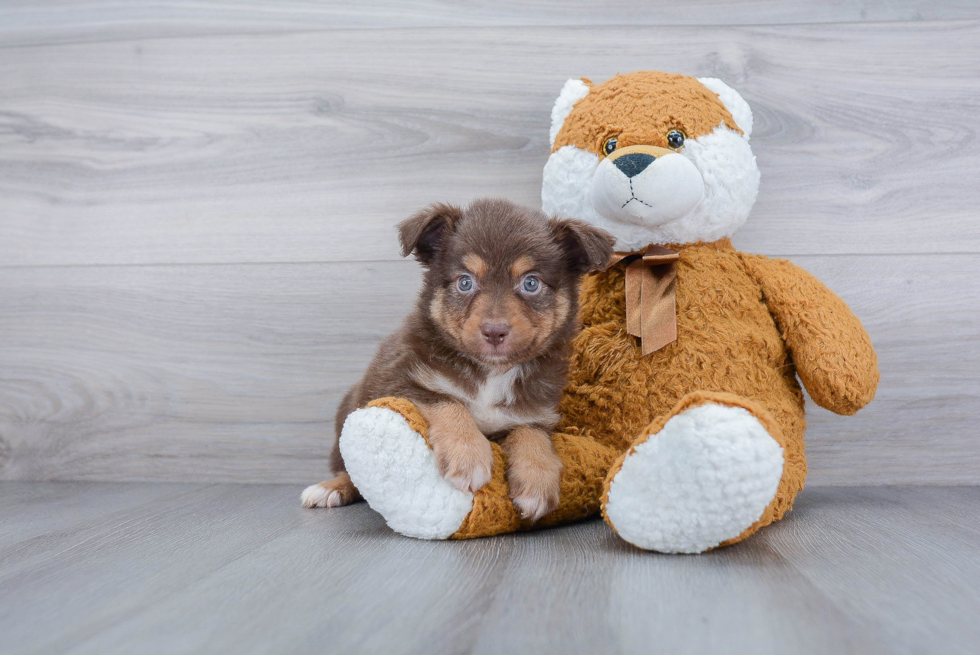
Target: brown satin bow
[{"x": 651, "y": 308}]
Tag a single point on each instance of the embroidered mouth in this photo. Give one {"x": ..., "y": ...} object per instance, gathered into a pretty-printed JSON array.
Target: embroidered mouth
[{"x": 633, "y": 197}]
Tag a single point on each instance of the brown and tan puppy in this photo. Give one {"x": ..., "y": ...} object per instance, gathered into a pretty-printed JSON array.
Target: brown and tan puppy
[{"x": 483, "y": 356}]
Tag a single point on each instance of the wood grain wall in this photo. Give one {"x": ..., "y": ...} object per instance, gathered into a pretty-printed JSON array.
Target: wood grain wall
[{"x": 196, "y": 206}]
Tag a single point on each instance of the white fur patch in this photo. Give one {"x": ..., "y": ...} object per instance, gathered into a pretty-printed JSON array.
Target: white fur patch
[
  {"x": 572, "y": 92},
  {"x": 733, "y": 101},
  {"x": 396, "y": 472},
  {"x": 565, "y": 188},
  {"x": 731, "y": 184},
  {"x": 489, "y": 406},
  {"x": 704, "y": 478}
]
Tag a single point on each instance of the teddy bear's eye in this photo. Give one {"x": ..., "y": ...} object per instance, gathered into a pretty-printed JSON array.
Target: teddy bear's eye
[
  {"x": 675, "y": 139},
  {"x": 609, "y": 145}
]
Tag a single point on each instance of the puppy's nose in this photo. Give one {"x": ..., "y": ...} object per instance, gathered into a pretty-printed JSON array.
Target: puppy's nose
[
  {"x": 495, "y": 333},
  {"x": 634, "y": 163}
]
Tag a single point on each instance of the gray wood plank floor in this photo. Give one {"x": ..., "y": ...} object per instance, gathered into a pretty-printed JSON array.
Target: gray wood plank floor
[{"x": 167, "y": 568}]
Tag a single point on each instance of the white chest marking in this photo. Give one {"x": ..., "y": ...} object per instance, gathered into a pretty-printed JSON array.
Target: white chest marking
[{"x": 490, "y": 405}]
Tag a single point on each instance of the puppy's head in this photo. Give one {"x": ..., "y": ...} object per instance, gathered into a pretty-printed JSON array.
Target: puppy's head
[{"x": 502, "y": 280}]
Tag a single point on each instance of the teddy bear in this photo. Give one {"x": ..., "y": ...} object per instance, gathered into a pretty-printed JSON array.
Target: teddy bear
[{"x": 683, "y": 417}]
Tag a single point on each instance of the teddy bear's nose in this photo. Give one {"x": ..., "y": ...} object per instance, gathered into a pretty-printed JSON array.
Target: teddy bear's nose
[{"x": 634, "y": 163}]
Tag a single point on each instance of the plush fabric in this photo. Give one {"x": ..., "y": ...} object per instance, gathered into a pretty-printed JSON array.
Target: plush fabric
[
  {"x": 831, "y": 350},
  {"x": 641, "y": 110},
  {"x": 662, "y": 494},
  {"x": 653, "y": 102},
  {"x": 386, "y": 452}
]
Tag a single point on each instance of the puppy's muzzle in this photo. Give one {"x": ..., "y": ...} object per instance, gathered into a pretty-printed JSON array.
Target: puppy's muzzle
[{"x": 495, "y": 333}]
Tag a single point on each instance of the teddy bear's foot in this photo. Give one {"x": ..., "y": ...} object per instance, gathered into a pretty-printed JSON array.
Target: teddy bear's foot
[
  {"x": 393, "y": 467},
  {"x": 702, "y": 478}
]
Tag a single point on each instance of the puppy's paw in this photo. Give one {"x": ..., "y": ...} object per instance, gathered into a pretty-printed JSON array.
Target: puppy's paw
[
  {"x": 463, "y": 454},
  {"x": 465, "y": 462},
  {"x": 335, "y": 492},
  {"x": 535, "y": 486}
]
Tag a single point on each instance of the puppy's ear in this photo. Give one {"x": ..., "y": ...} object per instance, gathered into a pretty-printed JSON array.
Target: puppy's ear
[
  {"x": 586, "y": 248},
  {"x": 423, "y": 233}
]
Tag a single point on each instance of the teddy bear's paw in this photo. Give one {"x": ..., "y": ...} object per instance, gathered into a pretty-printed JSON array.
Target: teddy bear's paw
[
  {"x": 704, "y": 478},
  {"x": 396, "y": 472}
]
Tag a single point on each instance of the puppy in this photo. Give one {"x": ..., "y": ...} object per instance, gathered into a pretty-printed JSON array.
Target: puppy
[{"x": 483, "y": 356}]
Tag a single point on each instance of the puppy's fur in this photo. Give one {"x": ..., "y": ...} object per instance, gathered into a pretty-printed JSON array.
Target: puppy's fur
[{"x": 483, "y": 356}]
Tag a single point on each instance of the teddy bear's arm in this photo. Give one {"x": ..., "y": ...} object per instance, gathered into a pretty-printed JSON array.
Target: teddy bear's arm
[{"x": 831, "y": 349}]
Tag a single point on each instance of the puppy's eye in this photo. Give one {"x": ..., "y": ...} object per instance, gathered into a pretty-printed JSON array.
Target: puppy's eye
[
  {"x": 531, "y": 284},
  {"x": 675, "y": 139},
  {"x": 464, "y": 283},
  {"x": 609, "y": 145}
]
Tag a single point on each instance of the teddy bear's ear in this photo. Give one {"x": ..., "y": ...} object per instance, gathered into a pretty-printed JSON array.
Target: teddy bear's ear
[
  {"x": 586, "y": 248},
  {"x": 572, "y": 92},
  {"x": 422, "y": 233},
  {"x": 734, "y": 103}
]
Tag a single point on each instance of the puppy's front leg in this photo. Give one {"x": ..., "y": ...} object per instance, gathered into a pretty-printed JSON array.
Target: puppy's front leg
[
  {"x": 462, "y": 452},
  {"x": 533, "y": 471}
]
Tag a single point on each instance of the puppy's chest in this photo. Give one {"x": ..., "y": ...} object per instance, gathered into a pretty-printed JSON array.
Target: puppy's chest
[{"x": 492, "y": 405}]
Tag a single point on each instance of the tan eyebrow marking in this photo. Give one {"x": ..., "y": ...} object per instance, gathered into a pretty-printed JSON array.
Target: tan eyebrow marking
[
  {"x": 522, "y": 265},
  {"x": 475, "y": 264}
]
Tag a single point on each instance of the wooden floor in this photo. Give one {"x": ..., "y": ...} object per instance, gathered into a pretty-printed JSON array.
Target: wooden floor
[{"x": 177, "y": 568}]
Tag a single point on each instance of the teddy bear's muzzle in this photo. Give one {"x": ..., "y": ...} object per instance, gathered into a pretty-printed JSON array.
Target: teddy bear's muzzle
[{"x": 646, "y": 185}]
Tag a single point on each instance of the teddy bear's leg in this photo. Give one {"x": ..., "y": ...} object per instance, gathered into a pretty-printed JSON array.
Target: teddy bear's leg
[
  {"x": 709, "y": 473},
  {"x": 388, "y": 457}
]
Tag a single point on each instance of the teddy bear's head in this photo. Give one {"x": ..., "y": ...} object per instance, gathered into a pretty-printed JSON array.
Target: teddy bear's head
[{"x": 653, "y": 158}]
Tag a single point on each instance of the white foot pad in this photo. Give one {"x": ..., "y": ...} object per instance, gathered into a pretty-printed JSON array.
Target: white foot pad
[
  {"x": 396, "y": 472},
  {"x": 704, "y": 478}
]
